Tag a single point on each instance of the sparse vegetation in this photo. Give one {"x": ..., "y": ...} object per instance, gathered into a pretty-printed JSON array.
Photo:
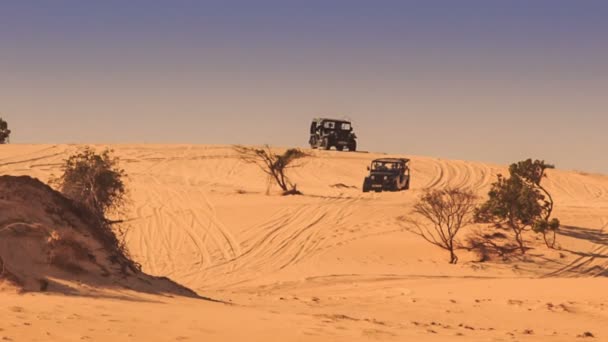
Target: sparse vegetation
[
  {"x": 521, "y": 203},
  {"x": 5, "y": 133},
  {"x": 533, "y": 172},
  {"x": 94, "y": 180},
  {"x": 273, "y": 164},
  {"x": 448, "y": 211}
]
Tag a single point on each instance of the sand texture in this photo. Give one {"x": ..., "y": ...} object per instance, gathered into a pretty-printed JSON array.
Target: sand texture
[{"x": 334, "y": 264}]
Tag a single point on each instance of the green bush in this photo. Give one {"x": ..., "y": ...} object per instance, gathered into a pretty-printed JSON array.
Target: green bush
[{"x": 521, "y": 203}]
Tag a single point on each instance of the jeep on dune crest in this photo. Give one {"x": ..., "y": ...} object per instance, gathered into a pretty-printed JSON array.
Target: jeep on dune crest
[
  {"x": 327, "y": 133},
  {"x": 392, "y": 174}
]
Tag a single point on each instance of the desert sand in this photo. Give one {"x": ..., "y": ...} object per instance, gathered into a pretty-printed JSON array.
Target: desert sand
[{"x": 332, "y": 265}]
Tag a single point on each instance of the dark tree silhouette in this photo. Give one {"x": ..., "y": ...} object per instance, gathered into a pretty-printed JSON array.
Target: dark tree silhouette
[{"x": 5, "y": 133}]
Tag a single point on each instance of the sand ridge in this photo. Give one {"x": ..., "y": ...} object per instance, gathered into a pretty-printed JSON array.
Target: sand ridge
[{"x": 49, "y": 244}]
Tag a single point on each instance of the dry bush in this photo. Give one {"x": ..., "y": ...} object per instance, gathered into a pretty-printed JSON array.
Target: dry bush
[
  {"x": 94, "y": 180},
  {"x": 274, "y": 165},
  {"x": 447, "y": 211},
  {"x": 95, "y": 183}
]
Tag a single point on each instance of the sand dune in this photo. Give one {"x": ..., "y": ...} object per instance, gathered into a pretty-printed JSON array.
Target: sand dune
[
  {"x": 334, "y": 264},
  {"x": 48, "y": 244}
]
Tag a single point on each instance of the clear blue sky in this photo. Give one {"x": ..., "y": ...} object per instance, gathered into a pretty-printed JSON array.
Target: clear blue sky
[{"x": 483, "y": 80}]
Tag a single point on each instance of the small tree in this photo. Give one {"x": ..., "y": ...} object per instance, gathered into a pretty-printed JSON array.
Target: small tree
[
  {"x": 96, "y": 183},
  {"x": 448, "y": 210},
  {"x": 520, "y": 202},
  {"x": 5, "y": 133},
  {"x": 274, "y": 165},
  {"x": 533, "y": 172},
  {"x": 94, "y": 180}
]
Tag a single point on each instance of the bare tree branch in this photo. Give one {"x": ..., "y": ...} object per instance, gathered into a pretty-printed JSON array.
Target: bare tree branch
[
  {"x": 448, "y": 211},
  {"x": 272, "y": 164}
]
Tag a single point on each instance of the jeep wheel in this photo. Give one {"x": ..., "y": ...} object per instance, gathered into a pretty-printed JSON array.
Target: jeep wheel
[
  {"x": 313, "y": 142},
  {"x": 367, "y": 184},
  {"x": 407, "y": 185},
  {"x": 340, "y": 148},
  {"x": 395, "y": 186},
  {"x": 352, "y": 147},
  {"x": 325, "y": 144}
]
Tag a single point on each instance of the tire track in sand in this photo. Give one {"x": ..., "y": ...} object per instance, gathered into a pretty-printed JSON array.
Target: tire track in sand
[
  {"x": 585, "y": 264},
  {"x": 282, "y": 241}
]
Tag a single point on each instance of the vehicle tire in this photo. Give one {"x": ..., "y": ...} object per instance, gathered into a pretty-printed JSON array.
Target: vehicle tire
[
  {"x": 367, "y": 184},
  {"x": 313, "y": 142},
  {"x": 352, "y": 147},
  {"x": 395, "y": 186},
  {"x": 340, "y": 148},
  {"x": 325, "y": 144},
  {"x": 407, "y": 185}
]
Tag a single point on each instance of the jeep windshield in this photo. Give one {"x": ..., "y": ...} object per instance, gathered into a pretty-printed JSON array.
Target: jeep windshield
[
  {"x": 331, "y": 125},
  {"x": 386, "y": 167}
]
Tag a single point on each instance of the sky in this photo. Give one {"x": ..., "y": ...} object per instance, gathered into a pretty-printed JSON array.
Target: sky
[{"x": 494, "y": 81}]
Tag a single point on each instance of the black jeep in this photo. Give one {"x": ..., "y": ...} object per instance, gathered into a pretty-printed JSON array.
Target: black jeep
[
  {"x": 328, "y": 133},
  {"x": 392, "y": 174}
]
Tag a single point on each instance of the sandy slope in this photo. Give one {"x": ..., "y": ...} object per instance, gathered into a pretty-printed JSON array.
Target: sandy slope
[
  {"x": 335, "y": 264},
  {"x": 49, "y": 244}
]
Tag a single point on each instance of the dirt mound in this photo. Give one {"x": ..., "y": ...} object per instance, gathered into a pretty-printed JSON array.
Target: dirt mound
[{"x": 47, "y": 243}]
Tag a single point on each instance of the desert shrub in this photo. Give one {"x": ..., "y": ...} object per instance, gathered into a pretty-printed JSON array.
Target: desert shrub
[
  {"x": 447, "y": 211},
  {"x": 274, "y": 165},
  {"x": 96, "y": 184},
  {"x": 5, "y": 133},
  {"x": 521, "y": 203},
  {"x": 93, "y": 180},
  {"x": 533, "y": 172}
]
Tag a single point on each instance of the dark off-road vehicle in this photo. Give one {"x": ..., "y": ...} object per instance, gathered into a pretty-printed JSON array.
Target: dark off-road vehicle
[
  {"x": 392, "y": 174},
  {"x": 328, "y": 133}
]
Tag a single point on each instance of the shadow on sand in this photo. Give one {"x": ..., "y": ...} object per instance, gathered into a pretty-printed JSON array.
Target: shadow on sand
[{"x": 590, "y": 263}]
